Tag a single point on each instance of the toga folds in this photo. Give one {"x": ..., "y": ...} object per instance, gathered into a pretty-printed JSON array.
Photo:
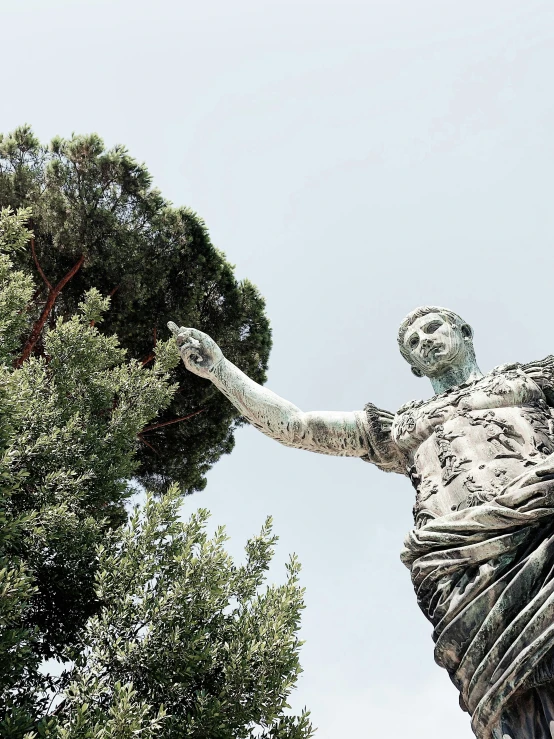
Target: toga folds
[
  {"x": 481, "y": 553},
  {"x": 484, "y": 577}
]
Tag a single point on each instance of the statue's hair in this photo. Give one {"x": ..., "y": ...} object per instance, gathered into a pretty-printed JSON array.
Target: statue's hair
[{"x": 453, "y": 318}]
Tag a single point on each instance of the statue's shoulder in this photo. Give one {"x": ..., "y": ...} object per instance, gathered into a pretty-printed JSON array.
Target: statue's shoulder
[
  {"x": 545, "y": 365},
  {"x": 542, "y": 372},
  {"x": 383, "y": 451},
  {"x": 411, "y": 405}
]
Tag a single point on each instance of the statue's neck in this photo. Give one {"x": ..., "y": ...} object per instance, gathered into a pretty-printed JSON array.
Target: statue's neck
[{"x": 456, "y": 376}]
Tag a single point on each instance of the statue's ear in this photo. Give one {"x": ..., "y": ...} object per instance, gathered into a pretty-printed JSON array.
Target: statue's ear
[
  {"x": 467, "y": 331},
  {"x": 417, "y": 372}
]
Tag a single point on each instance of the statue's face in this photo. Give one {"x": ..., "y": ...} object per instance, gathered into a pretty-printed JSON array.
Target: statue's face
[{"x": 433, "y": 345}]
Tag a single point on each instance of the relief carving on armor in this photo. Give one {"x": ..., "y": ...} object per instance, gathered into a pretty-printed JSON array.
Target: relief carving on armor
[
  {"x": 500, "y": 379},
  {"x": 406, "y": 424},
  {"x": 423, "y": 492},
  {"x": 477, "y": 493},
  {"x": 538, "y": 415},
  {"x": 502, "y": 478},
  {"x": 450, "y": 464},
  {"x": 501, "y": 434}
]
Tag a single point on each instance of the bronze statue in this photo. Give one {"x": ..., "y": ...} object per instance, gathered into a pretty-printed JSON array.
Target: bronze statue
[{"x": 479, "y": 454}]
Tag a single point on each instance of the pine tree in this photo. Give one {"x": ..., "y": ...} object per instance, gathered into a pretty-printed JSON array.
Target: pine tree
[
  {"x": 159, "y": 632},
  {"x": 99, "y": 223}
]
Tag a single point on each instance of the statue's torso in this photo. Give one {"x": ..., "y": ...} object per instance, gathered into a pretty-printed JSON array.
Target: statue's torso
[{"x": 464, "y": 446}]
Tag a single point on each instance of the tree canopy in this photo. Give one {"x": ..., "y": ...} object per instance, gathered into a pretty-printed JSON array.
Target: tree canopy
[
  {"x": 68, "y": 425},
  {"x": 159, "y": 633},
  {"x": 98, "y": 223}
]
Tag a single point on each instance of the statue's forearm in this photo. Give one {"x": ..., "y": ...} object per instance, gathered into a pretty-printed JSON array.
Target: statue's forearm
[
  {"x": 263, "y": 408},
  {"x": 348, "y": 434},
  {"x": 327, "y": 432}
]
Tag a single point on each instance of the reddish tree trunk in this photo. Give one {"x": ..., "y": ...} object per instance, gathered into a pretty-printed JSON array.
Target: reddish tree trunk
[
  {"x": 37, "y": 264},
  {"x": 39, "y": 324}
]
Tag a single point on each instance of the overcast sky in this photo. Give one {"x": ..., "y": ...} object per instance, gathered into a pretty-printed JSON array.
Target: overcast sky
[{"x": 354, "y": 159}]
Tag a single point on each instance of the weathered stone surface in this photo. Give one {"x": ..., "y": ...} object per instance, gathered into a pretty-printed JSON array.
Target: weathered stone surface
[{"x": 480, "y": 456}]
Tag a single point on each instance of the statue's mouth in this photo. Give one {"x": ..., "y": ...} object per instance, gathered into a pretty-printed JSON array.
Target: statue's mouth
[{"x": 433, "y": 352}]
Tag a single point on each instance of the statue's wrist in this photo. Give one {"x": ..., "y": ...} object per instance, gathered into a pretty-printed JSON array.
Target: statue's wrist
[{"x": 218, "y": 369}]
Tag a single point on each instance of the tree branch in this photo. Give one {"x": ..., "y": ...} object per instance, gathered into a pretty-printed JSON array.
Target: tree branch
[
  {"x": 152, "y": 355},
  {"x": 59, "y": 708},
  {"x": 37, "y": 264},
  {"x": 169, "y": 423},
  {"x": 148, "y": 359},
  {"x": 140, "y": 436},
  {"x": 39, "y": 323}
]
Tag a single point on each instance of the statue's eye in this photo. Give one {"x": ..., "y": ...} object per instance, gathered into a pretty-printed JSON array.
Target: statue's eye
[
  {"x": 414, "y": 341},
  {"x": 432, "y": 327}
]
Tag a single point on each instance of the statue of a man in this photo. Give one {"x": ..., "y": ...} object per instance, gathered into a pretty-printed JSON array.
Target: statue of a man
[{"x": 480, "y": 455}]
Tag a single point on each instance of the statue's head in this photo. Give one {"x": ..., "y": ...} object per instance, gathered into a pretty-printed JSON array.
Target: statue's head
[{"x": 434, "y": 340}]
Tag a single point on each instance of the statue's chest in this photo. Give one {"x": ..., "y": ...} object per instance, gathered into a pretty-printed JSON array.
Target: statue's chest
[
  {"x": 464, "y": 446},
  {"x": 415, "y": 422}
]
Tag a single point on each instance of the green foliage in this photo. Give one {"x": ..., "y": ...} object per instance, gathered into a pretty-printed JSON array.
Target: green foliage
[
  {"x": 16, "y": 288},
  {"x": 187, "y": 639},
  {"x": 160, "y": 633},
  {"x": 77, "y": 412},
  {"x": 14, "y": 235},
  {"x": 19, "y": 659},
  {"x": 69, "y": 421},
  {"x": 158, "y": 264}
]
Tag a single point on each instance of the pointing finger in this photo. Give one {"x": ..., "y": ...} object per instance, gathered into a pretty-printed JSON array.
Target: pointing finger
[{"x": 182, "y": 334}]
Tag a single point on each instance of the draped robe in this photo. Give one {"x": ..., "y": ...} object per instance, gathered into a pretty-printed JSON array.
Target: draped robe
[
  {"x": 481, "y": 553},
  {"x": 484, "y": 577}
]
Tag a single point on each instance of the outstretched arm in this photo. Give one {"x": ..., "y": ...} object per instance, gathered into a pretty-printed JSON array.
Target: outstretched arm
[{"x": 327, "y": 432}]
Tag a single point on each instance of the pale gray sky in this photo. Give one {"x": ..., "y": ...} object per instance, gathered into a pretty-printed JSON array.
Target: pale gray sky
[{"x": 354, "y": 159}]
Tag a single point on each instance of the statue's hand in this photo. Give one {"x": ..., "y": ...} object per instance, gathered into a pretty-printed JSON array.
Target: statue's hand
[{"x": 199, "y": 352}]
